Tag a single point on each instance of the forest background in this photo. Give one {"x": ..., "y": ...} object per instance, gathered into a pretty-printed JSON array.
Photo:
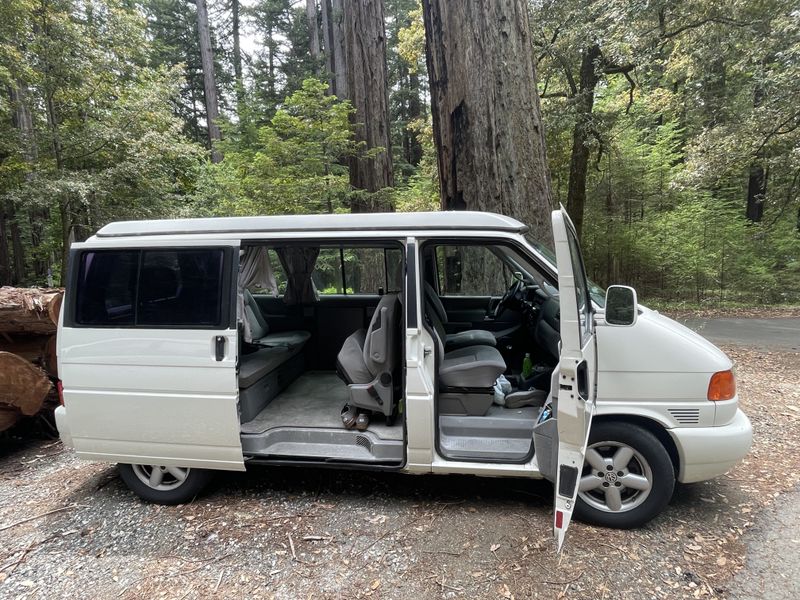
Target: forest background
[{"x": 672, "y": 128}]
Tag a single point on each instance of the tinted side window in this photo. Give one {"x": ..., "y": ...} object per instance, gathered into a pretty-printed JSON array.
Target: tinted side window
[
  {"x": 147, "y": 288},
  {"x": 180, "y": 287},
  {"x": 106, "y": 293}
]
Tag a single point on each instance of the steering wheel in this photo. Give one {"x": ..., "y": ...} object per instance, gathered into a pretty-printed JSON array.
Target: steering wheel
[{"x": 511, "y": 293}]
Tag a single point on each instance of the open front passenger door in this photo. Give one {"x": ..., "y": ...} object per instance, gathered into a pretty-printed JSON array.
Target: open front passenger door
[{"x": 577, "y": 371}]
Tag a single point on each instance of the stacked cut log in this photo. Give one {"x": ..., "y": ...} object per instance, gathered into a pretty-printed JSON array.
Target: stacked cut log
[{"x": 28, "y": 369}]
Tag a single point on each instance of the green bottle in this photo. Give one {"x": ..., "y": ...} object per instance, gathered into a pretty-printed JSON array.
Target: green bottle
[{"x": 527, "y": 366}]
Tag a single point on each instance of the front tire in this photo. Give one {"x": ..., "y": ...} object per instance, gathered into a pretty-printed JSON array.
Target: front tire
[
  {"x": 164, "y": 485},
  {"x": 627, "y": 477}
]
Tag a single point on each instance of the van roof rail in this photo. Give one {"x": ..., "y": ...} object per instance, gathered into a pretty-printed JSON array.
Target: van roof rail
[{"x": 443, "y": 220}]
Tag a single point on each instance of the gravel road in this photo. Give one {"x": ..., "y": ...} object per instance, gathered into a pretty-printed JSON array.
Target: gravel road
[
  {"x": 69, "y": 528},
  {"x": 779, "y": 333}
]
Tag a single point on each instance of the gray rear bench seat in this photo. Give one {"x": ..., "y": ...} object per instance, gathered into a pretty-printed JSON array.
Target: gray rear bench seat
[{"x": 264, "y": 374}]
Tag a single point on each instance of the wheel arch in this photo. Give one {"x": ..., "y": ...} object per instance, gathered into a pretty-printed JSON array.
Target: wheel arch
[{"x": 651, "y": 425}]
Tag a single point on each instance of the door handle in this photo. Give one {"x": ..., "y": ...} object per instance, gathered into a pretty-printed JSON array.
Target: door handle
[{"x": 219, "y": 346}]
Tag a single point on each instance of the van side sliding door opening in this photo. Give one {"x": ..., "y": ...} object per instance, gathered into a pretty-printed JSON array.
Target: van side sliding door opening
[{"x": 321, "y": 377}]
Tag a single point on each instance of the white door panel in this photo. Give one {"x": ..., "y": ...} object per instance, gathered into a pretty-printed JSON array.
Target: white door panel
[
  {"x": 576, "y": 390},
  {"x": 137, "y": 394}
]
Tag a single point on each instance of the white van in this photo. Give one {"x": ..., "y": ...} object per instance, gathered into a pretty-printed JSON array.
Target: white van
[{"x": 424, "y": 343}]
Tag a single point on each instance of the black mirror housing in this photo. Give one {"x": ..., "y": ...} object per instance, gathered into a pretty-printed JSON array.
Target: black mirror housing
[{"x": 621, "y": 306}]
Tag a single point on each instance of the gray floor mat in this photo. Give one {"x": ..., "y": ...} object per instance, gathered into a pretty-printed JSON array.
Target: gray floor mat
[{"x": 315, "y": 399}]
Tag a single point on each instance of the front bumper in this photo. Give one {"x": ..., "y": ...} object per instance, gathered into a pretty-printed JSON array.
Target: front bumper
[
  {"x": 707, "y": 452},
  {"x": 63, "y": 427}
]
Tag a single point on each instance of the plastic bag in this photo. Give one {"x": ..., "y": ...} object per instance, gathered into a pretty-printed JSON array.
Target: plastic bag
[{"x": 501, "y": 387}]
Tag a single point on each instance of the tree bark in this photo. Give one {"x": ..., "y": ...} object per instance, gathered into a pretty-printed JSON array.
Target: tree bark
[
  {"x": 17, "y": 249},
  {"x": 340, "y": 48},
  {"x": 334, "y": 41},
  {"x": 209, "y": 81},
  {"x": 237, "y": 55},
  {"x": 486, "y": 117},
  {"x": 29, "y": 310},
  {"x": 579, "y": 163},
  {"x": 327, "y": 44},
  {"x": 22, "y": 385},
  {"x": 757, "y": 178},
  {"x": 756, "y": 192},
  {"x": 5, "y": 255},
  {"x": 313, "y": 30},
  {"x": 367, "y": 86}
]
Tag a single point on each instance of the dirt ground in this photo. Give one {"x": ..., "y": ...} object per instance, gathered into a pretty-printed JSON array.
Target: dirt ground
[{"x": 71, "y": 529}]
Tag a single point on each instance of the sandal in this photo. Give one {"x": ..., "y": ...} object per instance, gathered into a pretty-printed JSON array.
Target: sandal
[{"x": 349, "y": 416}]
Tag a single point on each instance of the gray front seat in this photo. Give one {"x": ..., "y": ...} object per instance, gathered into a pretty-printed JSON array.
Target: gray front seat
[
  {"x": 370, "y": 359},
  {"x": 259, "y": 329},
  {"x": 467, "y": 367},
  {"x": 462, "y": 339}
]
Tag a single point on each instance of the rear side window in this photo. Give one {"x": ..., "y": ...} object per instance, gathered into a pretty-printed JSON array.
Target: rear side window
[
  {"x": 106, "y": 293},
  {"x": 151, "y": 288}
]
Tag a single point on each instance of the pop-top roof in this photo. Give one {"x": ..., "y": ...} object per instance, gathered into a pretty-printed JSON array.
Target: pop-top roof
[{"x": 450, "y": 220}]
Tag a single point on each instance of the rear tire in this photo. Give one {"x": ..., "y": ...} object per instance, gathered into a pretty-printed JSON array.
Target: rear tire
[
  {"x": 165, "y": 485},
  {"x": 627, "y": 479}
]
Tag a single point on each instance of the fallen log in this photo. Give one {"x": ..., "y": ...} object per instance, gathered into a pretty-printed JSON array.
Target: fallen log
[
  {"x": 29, "y": 310},
  {"x": 23, "y": 386},
  {"x": 8, "y": 417},
  {"x": 31, "y": 347},
  {"x": 49, "y": 358}
]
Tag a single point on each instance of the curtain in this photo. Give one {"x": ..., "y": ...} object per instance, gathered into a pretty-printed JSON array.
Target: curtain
[
  {"x": 255, "y": 271},
  {"x": 298, "y": 262}
]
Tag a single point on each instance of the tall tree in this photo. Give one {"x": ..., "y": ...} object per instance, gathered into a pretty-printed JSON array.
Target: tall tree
[
  {"x": 367, "y": 90},
  {"x": 333, "y": 35},
  {"x": 237, "y": 53},
  {"x": 209, "y": 80},
  {"x": 313, "y": 29},
  {"x": 486, "y": 118}
]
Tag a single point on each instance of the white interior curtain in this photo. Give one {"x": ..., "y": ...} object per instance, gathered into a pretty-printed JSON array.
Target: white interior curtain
[{"x": 255, "y": 272}]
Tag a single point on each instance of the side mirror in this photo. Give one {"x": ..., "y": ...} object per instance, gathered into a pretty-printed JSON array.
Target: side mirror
[{"x": 621, "y": 306}]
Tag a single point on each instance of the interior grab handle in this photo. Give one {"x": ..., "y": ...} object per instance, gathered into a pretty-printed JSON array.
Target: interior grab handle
[{"x": 582, "y": 375}]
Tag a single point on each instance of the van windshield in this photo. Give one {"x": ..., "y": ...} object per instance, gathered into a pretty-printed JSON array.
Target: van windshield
[{"x": 597, "y": 293}]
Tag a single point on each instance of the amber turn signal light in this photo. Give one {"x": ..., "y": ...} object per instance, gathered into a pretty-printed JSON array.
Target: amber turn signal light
[{"x": 722, "y": 386}]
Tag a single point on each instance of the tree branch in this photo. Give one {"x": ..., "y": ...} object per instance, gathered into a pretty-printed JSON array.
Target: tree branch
[
  {"x": 625, "y": 70},
  {"x": 718, "y": 20}
]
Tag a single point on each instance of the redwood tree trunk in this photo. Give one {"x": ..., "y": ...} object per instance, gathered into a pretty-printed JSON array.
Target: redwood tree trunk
[
  {"x": 487, "y": 122},
  {"x": 365, "y": 55},
  {"x": 237, "y": 53},
  {"x": 334, "y": 42},
  {"x": 209, "y": 82},
  {"x": 5, "y": 255},
  {"x": 313, "y": 29},
  {"x": 756, "y": 192},
  {"x": 579, "y": 163}
]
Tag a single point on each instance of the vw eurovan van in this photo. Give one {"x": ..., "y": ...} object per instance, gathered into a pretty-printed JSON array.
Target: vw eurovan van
[{"x": 446, "y": 342}]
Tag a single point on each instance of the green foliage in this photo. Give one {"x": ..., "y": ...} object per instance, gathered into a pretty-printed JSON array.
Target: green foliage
[
  {"x": 671, "y": 157},
  {"x": 291, "y": 165},
  {"x": 100, "y": 140},
  {"x": 104, "y": 119}
]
